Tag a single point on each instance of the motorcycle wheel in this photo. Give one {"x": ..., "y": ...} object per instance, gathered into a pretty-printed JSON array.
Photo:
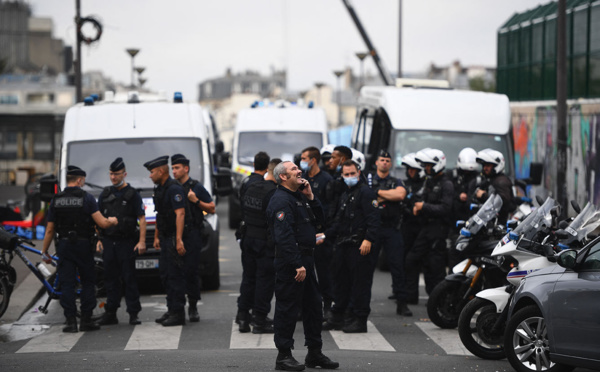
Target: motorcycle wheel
[
  {"x": 526, "y": 342},
  {"x": 4, "y": 295},
  {"x": 474, "y": 328},
  {"x": 444, "y": 304}
]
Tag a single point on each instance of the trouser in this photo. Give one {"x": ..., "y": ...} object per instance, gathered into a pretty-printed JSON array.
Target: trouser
[
  {"x": 76, "y": 258},
  {"x": 410, "y": 231},
  {"x": 390, "y": 240},
  {"x": 258, "y": 277},
  {"x": 454, "y": 256},
  {"x": 352, "y": 279},
  {"x": 171, "y": 269},
  {"x": 323, "y": 257},
  {"x": 429, "y": 254},
  {"x": 119, "y": 264},
  {"x": 291, "y": 297},
  {"x": 192, "y": 242}
]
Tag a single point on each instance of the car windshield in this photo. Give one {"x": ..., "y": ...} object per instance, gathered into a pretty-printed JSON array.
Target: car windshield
[
  {"x": 281, "y": 145},
  {"x": 95, "y": 157},
  {"x": 451, "y": 143}
]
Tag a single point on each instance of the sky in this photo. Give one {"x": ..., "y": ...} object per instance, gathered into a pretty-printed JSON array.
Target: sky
[{"x": 185, "y": 42}]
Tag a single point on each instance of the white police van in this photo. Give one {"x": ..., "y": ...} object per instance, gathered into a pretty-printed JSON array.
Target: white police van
[
  {"x": 405, "y": 119},
  {"x": 281, "y": 129},
  {"x": 138, "y": 129}
]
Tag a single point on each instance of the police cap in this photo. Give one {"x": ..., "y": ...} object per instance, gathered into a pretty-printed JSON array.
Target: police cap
[
  {"x": 161, "y": 160},
  {"x": 117, "y": 165},
  {"x": 384, "y": 154},
  {"x": 179, "y": 159},
  {"x": 75, "y": 171}
]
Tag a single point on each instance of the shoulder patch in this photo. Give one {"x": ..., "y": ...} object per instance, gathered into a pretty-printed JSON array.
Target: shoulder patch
[
  {"x": 178, "y": 197},
  {"x": 375, "y": 203},
  {"x": 280, "y": 215}
]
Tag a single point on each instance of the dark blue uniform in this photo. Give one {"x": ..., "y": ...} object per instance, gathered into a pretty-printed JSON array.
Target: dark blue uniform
[
  {"x": 167, "y": 198},
  {"x": 118, "y": 243},
  {"x": 294, "y": 222},
  {"x": 324, "y": 254},
  {"x": 71, "y": 212},
  {"x": 192, "y": 239}
]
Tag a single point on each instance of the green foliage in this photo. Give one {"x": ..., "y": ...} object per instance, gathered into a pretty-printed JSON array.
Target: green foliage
[{"x": 480, "y": 85}]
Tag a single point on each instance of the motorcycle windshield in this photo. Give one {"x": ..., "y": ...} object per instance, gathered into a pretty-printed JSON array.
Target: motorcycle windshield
[
  {"x": 485, "y": 214},
  {"x": 536, "y": 221},
  {"x": 585, "y": 222}
]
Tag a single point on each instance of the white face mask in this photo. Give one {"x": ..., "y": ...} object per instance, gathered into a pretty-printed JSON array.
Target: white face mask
[{"x": 351, "y": 181}]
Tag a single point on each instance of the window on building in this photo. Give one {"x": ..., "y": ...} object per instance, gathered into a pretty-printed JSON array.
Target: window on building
[
  {"x": 9, "y": 99},
  {"x": 537, "y": 35},
  {"x": 208, "y": 90},
  {"x": 42, "y": 145},
  {"x": 8, "y": 145},
  {"x": 594, "y": 80},
  {"x": 595, "y": 29},
  {"x": 580, "y": 34}
]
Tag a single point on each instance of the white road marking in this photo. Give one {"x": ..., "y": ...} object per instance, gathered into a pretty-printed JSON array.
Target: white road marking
[
  {"x": 370, "y": 341},
  {"x": 250, "y": 340},
  {"x": 53, "y": 341},
  {"x": 447, "y": 339},
  {"x": 153, "y": 336}
]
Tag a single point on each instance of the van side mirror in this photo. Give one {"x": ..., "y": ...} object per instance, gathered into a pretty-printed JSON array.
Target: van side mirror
[
  {"x": 567, "y": 259},
  {"x": 535, "y": 173},
  {"x": 48, "y": 187},
  {"x": 223, "y": 182}
]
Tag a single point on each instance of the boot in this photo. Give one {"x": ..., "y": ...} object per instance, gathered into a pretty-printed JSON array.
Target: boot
[
  {"x": 71, "y": 325},
  {"x": 359, "y": 325},
  {"x": 193, "y": 313},
  {"x": 108, "y": 318},
  {"x": 286, "y": 362},
  {"x": 335, "y": 322},
  {"x": 87, "y": 324},
  {"x": 162, "y": 318},
  {"x": 261, "y": 325},
  {"x": 268, "y": 320},
  {"x": 315, "y": 358},
  {"x": 175, "y": 319},
  {"x": 133, "y": 319},
  {"x": 244, "y": 321},
  {"x": 402, "y": 309}
]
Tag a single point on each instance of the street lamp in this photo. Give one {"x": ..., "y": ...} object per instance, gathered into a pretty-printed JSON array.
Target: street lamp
[
  {"x": 141, "y": 80},
  {"x": 362, "y": 57},
  {"x": 132, "y": 52},
  {"x": 338, "y": 74},
  {"x": 319, "y": 86}
]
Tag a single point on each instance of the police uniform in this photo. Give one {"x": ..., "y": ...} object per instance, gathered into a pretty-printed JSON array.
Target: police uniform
[
  {"x": 118, "y": 244},
  {"x": 293, "y": 222},
  {"x": 464, "y": 182},
  {"x": 323, "y": 255},
  {"x": 192, "y": 237},
  {"x": 167, "y": 198},
  {"x": 357, "y": 219},
  {"x": 502, "y": 185},
  {"x": 258, "y": 276},
  {"x": 429, "y": 249},
  {"x": 389, "y": 236},
  {"x": 71, "y": 212}
]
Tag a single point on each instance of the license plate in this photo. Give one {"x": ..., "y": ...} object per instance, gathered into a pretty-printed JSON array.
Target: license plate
[{"x": 146, "y": 264}]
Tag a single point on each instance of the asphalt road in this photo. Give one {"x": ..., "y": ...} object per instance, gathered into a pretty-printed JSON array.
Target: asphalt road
[{"x": 394, "y": 343}]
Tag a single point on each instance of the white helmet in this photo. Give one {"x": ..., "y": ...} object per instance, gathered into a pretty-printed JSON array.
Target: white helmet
[
  {"x": 491, "y": 156},
  {"x": 409, "y": 160},
  {"x": 359, "y": 158},
  {"x": 467, "y": 159},
  {"x": 327, "y": 148},
  {"x": 432, "y": 156}
]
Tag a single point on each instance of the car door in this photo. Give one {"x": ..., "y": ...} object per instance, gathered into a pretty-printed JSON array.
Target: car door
[{"x": 573, "y": 309}]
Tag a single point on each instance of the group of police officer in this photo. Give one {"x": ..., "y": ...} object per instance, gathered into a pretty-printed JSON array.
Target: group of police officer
[
  {"x": 326, "y": 226},
  {"x": 116, "y": 227}
]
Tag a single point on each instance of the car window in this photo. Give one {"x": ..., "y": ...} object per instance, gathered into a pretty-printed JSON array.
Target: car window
[{"x": 592, "y": 261}]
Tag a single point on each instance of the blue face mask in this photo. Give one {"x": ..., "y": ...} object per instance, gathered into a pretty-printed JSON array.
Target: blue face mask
[
  {"x": 304, "y": 166},
  {"x": 351, "y": 181},
  {"x": 338, "y": 168}
]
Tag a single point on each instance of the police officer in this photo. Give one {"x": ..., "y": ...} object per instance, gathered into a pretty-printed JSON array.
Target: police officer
[
  {"x": 199, "y": 201},
  {"x": 258, "y": 281},
  {"x": 294, "y": 217},
  {"x": 495, "y": 181},
  {"x": 118, "y": 244},
  {"x": 429, "y": 249},
  {"x": 261, "y": 162},
  {"x": 355, "y": 228},
  {"x": 318, "y": 180},
  {"x": 326, "y": 158},
  {"x": 169, "y": 203},
  {"x": 71, "y": 219},
  {"x": 390, "y": 192}
]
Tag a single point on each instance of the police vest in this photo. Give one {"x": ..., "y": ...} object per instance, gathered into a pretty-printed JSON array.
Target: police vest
[
  {"x": 71, "y": 221},
  {"x": 255, "y": 216},
  {"x": 165, "y": 215},
  {"x": 196, "y": 218},
  {"x": 390, "y": 211},
  {"x": 121, "y": 207}
]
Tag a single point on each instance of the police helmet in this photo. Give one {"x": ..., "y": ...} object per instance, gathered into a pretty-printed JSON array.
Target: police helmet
[
  {"x": 491, "y": 156},
  {"x": 467, "y": 159},
  {"x": 432, "y": 156},
  {"x": 327, "y": 149},
  {"x": 409, "y": 161},
  {"x": 359, "y": 158}
]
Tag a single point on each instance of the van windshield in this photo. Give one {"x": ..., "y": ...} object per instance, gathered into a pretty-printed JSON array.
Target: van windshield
[
  {"x": 281, "y": 145},
  {"x": 95, "y": 157},
  {"x": 451, "y": 143}
]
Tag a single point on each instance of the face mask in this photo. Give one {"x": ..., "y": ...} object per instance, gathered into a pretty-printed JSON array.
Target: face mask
[
  {"x": 304, "y": 166},
  {"x": 338, "y": 168},
  {"x": 351, "y": 181},
  {"x": 120, "y": 184}
]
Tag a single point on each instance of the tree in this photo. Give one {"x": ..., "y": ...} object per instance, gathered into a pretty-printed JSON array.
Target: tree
[{"x": 479, "y": 84}]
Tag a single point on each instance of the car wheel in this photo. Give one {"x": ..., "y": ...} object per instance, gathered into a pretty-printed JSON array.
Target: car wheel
[
  {"x": 475, "y": 328},
  {"x": 526, "y": 342}
]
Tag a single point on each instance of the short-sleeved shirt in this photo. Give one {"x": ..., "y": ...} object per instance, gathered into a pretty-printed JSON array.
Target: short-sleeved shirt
[
  {"x": 89, "y": 205},
  {"x": 175, "y": 195},
  {"x": 201, "y": 192}
]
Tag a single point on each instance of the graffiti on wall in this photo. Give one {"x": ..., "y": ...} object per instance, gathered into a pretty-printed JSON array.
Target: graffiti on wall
[{"x": 534, "y": 134}]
